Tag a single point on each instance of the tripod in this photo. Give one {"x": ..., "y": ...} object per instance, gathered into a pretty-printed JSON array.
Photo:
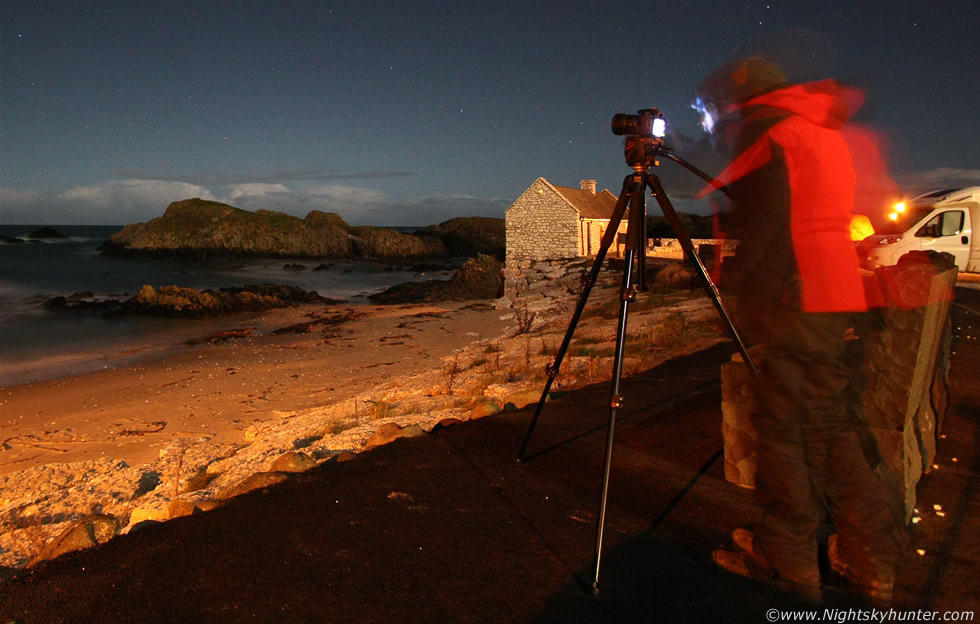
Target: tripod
[{"x": 633, "y": 195}]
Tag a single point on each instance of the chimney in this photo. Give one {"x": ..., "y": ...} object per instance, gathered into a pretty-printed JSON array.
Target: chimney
[{"x": 588, "y": 185}]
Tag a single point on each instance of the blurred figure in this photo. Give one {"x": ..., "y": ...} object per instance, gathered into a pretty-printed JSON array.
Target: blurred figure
[{"x": 792, "y": 174}]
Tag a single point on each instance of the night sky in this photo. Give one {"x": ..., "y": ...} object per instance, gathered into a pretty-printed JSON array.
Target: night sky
[{"x": 410, "y": 113}]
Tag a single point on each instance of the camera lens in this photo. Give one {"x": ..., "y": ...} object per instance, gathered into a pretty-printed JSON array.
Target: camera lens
[{"x": 624, "y": 124}]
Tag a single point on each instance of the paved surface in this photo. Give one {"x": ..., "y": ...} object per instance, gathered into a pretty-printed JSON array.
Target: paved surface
[{"x": 450, "y": 528}]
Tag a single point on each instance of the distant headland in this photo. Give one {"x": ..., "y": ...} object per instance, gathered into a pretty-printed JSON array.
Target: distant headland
[{"x": 202, "y": 229}]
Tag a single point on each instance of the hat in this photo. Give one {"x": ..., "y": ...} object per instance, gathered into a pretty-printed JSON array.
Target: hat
[{"x": 740, "y": 81}]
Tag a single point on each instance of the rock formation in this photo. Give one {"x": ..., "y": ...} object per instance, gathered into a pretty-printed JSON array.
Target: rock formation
[
  {"x": 196, "y": 228},
  {"x": 468, "y": 236},
  {"x": 46, "y": 232},
  {"x": 478, "y": 278},
  {"x": 378, "y": 242},
  {"x": 174, "y": 301}
]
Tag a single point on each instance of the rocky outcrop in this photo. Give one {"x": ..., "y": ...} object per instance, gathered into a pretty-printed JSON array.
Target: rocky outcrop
[
  {"x": 478, "y": 278},
  {"x": 46, "y": 232},
  {"x": 37, "y": 236},
  {"x": 174, "y": 301},
  {"x": 85, "y": 533},
  {"x": 468, "y": 236},
  {"x": 378, "y": 242},
  {"x": 201, "y": 229},
  {"x": 195, "y": 228}
]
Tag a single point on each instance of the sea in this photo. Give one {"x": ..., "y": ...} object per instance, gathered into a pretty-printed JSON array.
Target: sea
[{"x": 38, "y": 344}]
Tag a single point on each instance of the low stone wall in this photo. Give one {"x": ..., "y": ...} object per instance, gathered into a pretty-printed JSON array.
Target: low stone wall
[
  {"x": 713, "y": 249},
  {"x": 906, "y": 364},
  {"x": 525, "y": 277}
]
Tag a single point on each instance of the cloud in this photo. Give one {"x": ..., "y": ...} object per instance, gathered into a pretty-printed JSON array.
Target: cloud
[
  {"x": 940, "y": 177},
  {"x": 365, "y": 206},
  {"x": 23, "y": 206},
  {"x": 432, "y": 209},
  {"x": 110, "y": 203},
  {"x": 348, "y": 194},
  {"x": 348, "y": 201},
  {"x": 17, "y": 196},
  {"x": 126, "y": 201},
  {"x": 130, "y": 194},
  {"x": 251, "y": 190},
  {"x": 227, "y": 178},
  {"x": 144, "y": 197}
]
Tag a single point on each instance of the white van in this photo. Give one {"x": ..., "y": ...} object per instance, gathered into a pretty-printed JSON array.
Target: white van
[{"x": 937, "y": 221}]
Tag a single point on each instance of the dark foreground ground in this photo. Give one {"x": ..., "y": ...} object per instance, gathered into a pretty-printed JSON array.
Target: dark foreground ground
[{"x": 450, "y": 528}]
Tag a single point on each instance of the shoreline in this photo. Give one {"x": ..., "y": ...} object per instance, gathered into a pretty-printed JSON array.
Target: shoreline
[
  {"x": 247, "y": 379},
  {"x": 74, "y": 341},
  {"x": 158, "y": 440},
  {"x": 128, "y": 441}
]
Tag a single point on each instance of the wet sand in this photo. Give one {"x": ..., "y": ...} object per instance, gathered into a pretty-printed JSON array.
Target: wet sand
[{"x": 222, "y": 385}]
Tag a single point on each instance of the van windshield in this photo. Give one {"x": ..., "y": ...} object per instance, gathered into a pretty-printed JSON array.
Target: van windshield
[{"x": 904, "y": 221}]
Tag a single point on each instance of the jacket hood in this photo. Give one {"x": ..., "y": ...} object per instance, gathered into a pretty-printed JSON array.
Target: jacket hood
[
  {"x": 825, "y": 103},
  {"x": 737, "y": 82}
]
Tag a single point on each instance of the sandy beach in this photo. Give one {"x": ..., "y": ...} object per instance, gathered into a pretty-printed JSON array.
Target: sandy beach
[
  {"x": 164, "y": 438},
  {"x": 220, "y": 387}
]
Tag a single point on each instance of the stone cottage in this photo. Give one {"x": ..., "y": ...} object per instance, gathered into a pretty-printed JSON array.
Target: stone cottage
[{"x": 549, "y": 221}]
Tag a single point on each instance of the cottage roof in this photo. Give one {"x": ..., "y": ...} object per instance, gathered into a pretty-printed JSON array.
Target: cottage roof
[{"x": 589, "y": 205}]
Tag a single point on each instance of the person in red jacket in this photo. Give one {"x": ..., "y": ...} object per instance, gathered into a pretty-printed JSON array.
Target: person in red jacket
[{"x": 795, "y": 165}]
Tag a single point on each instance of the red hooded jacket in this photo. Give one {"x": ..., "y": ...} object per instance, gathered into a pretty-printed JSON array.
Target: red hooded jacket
[{"x": 795, "y": 139}]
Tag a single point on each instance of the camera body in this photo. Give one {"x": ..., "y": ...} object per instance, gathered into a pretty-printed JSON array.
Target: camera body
[
  {"x": 644, "y": 136},
  {"x": 647, "y": 122}
]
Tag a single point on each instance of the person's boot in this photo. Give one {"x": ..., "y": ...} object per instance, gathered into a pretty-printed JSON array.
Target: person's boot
[
  {"x": 863, "y": 573},
  {"x": 749, "y": 562}
]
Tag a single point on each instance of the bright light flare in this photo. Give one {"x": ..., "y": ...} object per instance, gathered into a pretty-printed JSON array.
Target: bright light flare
[
  {"x": 897, "y": 211},
  {"x": 659, "y": 127},
  {"x": 707, "y": 118},
  {"x": 861, "y": 227},
  {"x": 707, "y": 122}
]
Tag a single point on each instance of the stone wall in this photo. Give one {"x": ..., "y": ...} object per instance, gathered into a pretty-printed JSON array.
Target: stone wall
[
  {"x": 708, "y": 248},
  {"x": 738, "y": 403},
  {"x": 543, "y": 287},
  {"x": 592, "y": 231},
  {"x": 906, "y": 363},
  {"x": 540, "y": 225}
]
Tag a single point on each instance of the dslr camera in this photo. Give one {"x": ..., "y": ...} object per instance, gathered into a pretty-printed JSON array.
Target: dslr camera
[{"x": 644, "y": 136}]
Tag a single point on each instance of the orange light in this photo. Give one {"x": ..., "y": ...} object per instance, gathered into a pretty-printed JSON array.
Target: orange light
[
  {"x": 893, "y": 216},
  {"x": 900, "y": 207},
  {"x": 861, "y": 227}
]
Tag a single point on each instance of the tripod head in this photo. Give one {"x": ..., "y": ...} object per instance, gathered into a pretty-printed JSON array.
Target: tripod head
[
  {"x": 643, "y": 152},
  {"x": 644, "y": 134},
  {"x": 644, "y": 143}
]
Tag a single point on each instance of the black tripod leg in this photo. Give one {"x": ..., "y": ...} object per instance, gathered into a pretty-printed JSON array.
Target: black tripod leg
[
  {"x": 712, "y": 291},
  {"x": 604, "y": 245},
  {"x": 638, "y": 223},
  {"x": 628, "y": 295}
]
